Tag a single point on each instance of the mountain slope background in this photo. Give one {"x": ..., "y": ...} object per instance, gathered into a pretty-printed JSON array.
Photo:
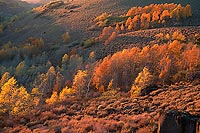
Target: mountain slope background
[{"x": 76, "y": 17}]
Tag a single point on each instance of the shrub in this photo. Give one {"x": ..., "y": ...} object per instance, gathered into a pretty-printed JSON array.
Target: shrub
[
  {"x": 80, "y": 82},
  {"x": 108, "y": 34},
  {"x": 178, "y": 36},
  {"x": 65, "y": 93},
  {"x": 65, "y": 37},
  {"x": 142, "y": 82},
  {"x": 102, "y": 19},
  {"x": 53, "y": 99},
  {"x": 89, "y": 42}
]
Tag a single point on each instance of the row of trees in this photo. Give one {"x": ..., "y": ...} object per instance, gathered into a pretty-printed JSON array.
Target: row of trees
[
  {"x": 14, "y": 99},
  {"x": 129, "y": 70},
  {"x": 168, "y": 63},
  {"x": 156, "y": 15},
  {"x": 152, "y": 8},
  {"x": 34, "y": 46}
]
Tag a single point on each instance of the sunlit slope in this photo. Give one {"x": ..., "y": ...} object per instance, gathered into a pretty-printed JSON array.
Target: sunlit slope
[{"x": 76, "y": 17}]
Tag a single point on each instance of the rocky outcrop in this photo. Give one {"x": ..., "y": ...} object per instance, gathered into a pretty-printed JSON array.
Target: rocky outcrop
[{"x": 175, "y": 121}]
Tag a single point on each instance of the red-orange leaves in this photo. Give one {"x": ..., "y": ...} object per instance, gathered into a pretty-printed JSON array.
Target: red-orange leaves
[
  {"x": 164, "y": 61},
  {"x": 108, "y": 34}
]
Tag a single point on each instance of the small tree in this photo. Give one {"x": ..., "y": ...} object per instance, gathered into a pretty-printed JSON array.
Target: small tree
[
  {"x": 110, "y": 85},
  {"x": 35, "y": 95},
  {"x": 117, "y": 28},
  {"x": 112, "y": 37},
  {"x": 66, "y": 92},
  {"x": 5, "y": 77},
  {"x": 143, "y": 80},
  {"x": 122, "y": 27},
  {"x": 65, "y": 37},
  {"x": 20, "y": 69},
  {"x": 80, "y": 82},
  {"x": 14, "y": 100},
  {"x": 53, "y": 99}
]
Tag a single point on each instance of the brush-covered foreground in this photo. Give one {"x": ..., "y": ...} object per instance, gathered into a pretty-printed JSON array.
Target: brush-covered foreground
[{"x": 111, "y": 113}]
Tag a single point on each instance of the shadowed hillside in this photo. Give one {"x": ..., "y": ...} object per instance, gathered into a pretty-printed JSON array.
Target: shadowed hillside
[{"x": 9, "y": 8}]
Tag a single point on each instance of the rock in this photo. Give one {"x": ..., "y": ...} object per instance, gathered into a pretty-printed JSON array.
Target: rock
[{"x": 175, "y": 121}]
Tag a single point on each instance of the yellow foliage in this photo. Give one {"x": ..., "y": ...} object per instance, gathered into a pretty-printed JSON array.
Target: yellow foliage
[
  {"x": 12, "y": 99},
  {"x": 155, "y": 16},
  {"x": 188, "y": 10},
  {"x": 144, "y": 78},
  {"x": 110, "y": 85},
  {"x": 35, "y": 96},
  {"x": 101, "y": 88},
  {"x": 165, "y": 14},
  {"x": 35, "y": 91},
  {"x": 101, "y": 20},
  {"x": 53, "y": 99},
  {"x": 135, "y": 90},
  {"x": 130, "y": 26},
  {"x": 102, "y": 17},
  {"x": 65, "y": 93},
  {"x": 80, "y": 82},
  {"x": 111, "y": 38}
]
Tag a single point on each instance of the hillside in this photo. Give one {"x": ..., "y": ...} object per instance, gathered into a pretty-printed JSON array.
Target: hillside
[
  {"x": 9, "y": 8},
  {"x": 100, "y": 66},
  {"x": 65, "y": 17}
]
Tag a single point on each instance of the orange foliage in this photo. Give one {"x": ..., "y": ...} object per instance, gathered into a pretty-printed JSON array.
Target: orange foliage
[
  {"x": 155, "y": 16},
  {"x": 117, "y": 28},
  {"x": 157, "y": 13},
  {"x": 108, "y": 34},
  {"x": 163, "y": 61},
  {"x": 112, "y": 37},
  {"x": 122, "y": 27}
]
